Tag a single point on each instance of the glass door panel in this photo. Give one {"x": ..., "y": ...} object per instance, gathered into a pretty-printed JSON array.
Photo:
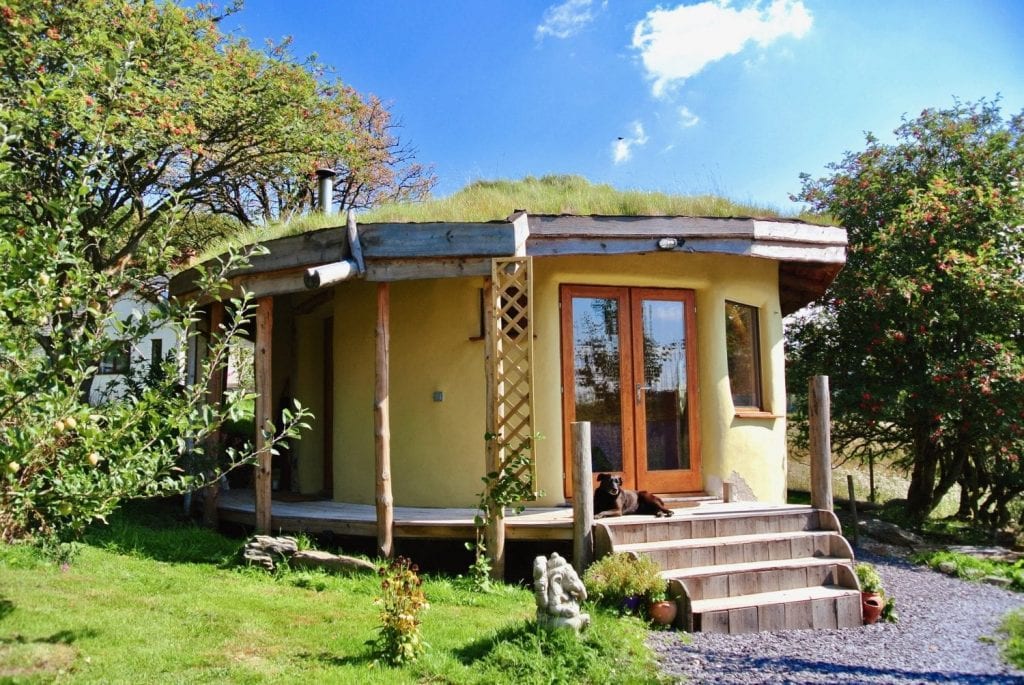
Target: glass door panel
[
  {"x": 597, "y": 386},
  {"x": 628, "y": 367},
  {"x": 662, "y": 393},
  {"x": 665, "y": 390}
]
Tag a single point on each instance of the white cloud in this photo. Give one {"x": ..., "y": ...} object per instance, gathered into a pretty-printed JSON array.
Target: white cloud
[
  {"x": 688, "y": 118},
  {"x": 566, "y": 19},
  {"x": 622, "y": 149},
  {"x": 676, "y": 44}
]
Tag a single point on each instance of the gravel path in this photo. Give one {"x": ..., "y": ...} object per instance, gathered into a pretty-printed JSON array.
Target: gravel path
[{"x": 942, "y": 637}]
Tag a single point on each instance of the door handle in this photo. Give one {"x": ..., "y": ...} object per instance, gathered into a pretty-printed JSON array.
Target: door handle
[{"x": 639, "y": 391}]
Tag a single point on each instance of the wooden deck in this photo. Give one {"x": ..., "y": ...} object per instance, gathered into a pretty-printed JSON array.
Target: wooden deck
[
  {"x": 343, "y": 518},
  {"x": 540, "y": 523}
]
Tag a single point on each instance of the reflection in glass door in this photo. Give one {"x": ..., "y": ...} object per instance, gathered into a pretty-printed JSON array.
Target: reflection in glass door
[{"x": 629, "y": 369}]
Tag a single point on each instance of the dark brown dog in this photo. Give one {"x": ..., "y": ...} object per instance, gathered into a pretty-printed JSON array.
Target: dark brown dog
[{"x": 611, "y": 499}]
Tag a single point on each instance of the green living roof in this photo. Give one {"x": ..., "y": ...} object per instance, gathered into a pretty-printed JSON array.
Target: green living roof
[{"x": 496, "y": 200}]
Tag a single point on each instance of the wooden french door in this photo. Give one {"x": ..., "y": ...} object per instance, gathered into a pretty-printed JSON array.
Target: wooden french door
[{"x": 629, "y": 367}]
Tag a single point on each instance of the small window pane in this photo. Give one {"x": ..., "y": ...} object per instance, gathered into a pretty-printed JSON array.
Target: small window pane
[
  {"x": 743, "y": 349},
  {"x": 117, "y": 359}
]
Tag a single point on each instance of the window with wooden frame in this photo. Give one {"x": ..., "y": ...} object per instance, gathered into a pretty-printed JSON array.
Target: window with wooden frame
[{"x": 743, "y": 347}]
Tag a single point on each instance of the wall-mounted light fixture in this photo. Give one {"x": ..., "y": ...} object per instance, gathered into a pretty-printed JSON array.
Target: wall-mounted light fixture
[{"x": 669, "y": 243}]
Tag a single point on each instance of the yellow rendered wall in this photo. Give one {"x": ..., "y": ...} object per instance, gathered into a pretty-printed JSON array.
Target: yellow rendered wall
[
  {"x": 748, "y": 452},
  {"x": 437, "y": 447},
  {"x": 308, "y": 373}
]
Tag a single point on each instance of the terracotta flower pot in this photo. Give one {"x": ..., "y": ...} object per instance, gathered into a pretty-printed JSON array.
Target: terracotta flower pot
[
  {"x": 871, "y": 605},
  {"x": 663, "y": 612}
]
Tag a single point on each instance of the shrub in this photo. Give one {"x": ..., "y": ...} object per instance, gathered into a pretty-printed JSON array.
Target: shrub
[
  {"x": 618, "y": 577},
  {"x": 401, "y": 602},
  {"x": 1013, "y": 629}
]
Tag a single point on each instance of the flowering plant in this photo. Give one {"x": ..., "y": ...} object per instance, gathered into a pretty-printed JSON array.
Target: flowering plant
[{"x": 401, "y": 602}]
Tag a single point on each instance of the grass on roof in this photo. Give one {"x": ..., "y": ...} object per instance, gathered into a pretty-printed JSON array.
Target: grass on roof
[{"x": 496, "y": 200}]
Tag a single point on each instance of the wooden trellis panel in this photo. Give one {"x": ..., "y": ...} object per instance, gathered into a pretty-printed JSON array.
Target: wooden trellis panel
[{"x": 511, "y": 357}]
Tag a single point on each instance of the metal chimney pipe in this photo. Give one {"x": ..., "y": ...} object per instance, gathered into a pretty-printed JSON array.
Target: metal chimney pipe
[{"x": 325, "y": 189}]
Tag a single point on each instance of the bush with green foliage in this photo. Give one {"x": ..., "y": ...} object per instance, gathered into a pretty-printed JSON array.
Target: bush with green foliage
[
  {"x": 920, "y": 333},
  {"x": 618, "y": 577},
  {"x": 1013, "y": 629},
  {"x": 116, "y": 119}
]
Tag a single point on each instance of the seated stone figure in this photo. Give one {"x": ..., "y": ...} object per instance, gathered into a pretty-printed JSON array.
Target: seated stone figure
[{"x": 558, "y": 591}]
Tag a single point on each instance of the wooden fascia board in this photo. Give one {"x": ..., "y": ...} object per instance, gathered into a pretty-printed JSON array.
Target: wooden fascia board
[
  {"x": 413, "y": 269},
  {"x": 598, "y": 227},
  {"x": 305, "y": 250},
  {"x": 438, "y": 240}
]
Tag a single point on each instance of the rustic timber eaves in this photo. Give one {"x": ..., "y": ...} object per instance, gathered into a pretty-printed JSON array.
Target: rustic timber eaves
[{"x": 809, "y": 255}]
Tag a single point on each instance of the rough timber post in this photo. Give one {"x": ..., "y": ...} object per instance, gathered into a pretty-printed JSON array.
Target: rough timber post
[
  {"x": 382, "y": 425},
  {"x": 495, "y": 533},
  {"x": 264, "y": 409},
  {"x": 215, "y": 383},
  {"x": 819, "y": 416},
  {"x": 582, "y": 502}
]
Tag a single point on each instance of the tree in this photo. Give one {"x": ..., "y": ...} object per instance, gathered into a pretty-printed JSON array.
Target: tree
[
  {"x": 115, "y": 119},
  {"x": 921, "y": 333},
  {"x": 382, "y": 172},
  {"x": 176, "y": 118}
]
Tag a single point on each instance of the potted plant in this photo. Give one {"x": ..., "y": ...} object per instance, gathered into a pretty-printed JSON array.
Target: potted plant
[
  {"x": 629, "y": 584},
  {"x": 875, "y": 604}
]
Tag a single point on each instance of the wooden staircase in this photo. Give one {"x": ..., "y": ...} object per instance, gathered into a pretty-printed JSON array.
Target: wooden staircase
[{"x": 745, "y": 567}]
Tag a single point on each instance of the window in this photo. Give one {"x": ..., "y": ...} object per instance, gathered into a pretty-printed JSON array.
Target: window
[
  {"x": 743, "y": 347},
  {"x": 117, "y": 359},
  {"x": 156, "y": 358}
]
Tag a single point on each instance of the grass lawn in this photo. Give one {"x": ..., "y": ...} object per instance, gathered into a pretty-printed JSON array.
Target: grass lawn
[
  {"x": 144, "y": 605},
  {"x": 1013, "y": 629}
]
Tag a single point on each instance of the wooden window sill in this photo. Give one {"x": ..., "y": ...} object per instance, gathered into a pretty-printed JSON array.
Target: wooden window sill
[{"x": 757, "y": 414}]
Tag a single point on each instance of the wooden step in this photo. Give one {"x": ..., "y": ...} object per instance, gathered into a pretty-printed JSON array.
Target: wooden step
[
  {"x": 824, "y": 607},
  {"x": 633, "y": 529},
  {"x": 673, "y": 554},
  {"x": 688, "y": 500},
  {"x": 730, "y": 580}
]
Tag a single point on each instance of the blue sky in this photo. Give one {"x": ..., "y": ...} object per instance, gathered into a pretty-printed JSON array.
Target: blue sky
[{"x": 734, "y": 98}]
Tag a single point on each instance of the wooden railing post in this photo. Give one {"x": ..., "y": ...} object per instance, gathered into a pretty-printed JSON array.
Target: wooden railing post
[
  {"x": 819, "y": 416},
  {"x": 494, "y": 534},
  {"x": 264, "y": 409},
  {"x": 582, "y": 501},
  {"x": 853, "y": 510},
  {"x": 382, "y": 425},
  {"x": 215, "y": 398}
]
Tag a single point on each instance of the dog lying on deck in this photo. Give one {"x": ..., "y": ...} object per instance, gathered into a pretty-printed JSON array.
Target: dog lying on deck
[{"x": 611, "y": 499}]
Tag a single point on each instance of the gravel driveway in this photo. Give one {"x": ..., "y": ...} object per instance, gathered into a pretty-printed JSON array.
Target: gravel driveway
[{"x": 943, "y": 636}]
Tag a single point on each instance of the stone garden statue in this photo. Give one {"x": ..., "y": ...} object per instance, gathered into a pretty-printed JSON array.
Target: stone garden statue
[{"x": 558, "y": 591}]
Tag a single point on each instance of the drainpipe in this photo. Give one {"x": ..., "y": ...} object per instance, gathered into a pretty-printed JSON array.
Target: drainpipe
[{"x": 325, "y": 189}]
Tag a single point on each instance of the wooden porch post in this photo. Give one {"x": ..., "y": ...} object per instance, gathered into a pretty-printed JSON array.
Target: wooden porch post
[
  {"x": 215, "y": 384},
  {"x": 494, "y": 539},
  {"x": 382, "y": 425},
  {"x": 819, "y": 416},
  {"x": 264, "y": 409},
  {"x": 582, "y": 502}
]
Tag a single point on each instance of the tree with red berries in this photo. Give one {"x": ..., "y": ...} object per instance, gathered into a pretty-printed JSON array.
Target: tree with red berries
[{"x": 922, "y": 333}]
